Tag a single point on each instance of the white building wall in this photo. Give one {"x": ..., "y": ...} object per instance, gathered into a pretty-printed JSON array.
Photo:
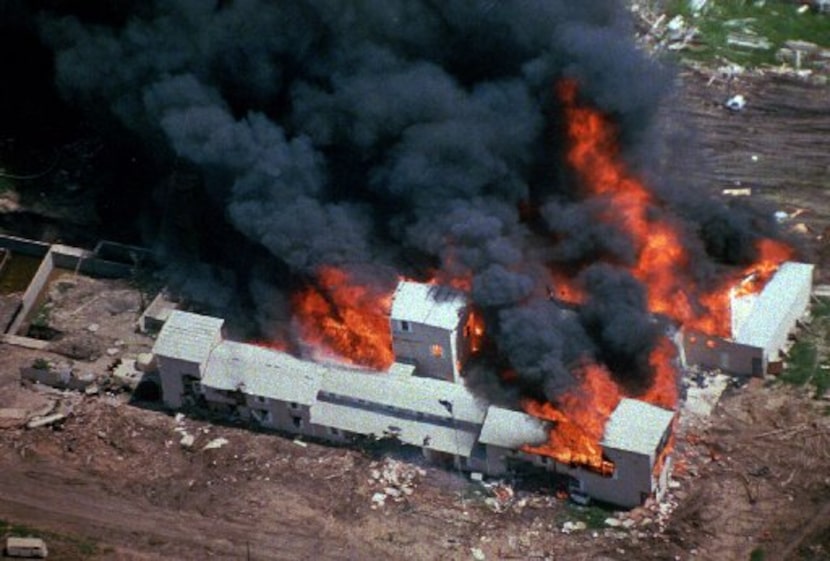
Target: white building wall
[
  {"x": 420, "y": 345},
  {"x": 172, "y": 372}
]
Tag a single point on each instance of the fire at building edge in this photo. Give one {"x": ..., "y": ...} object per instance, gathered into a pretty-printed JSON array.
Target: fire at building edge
[{"x": 505, "y": 149}]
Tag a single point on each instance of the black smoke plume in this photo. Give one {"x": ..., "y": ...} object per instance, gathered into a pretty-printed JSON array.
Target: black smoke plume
[{"x": 403, "y": 134}]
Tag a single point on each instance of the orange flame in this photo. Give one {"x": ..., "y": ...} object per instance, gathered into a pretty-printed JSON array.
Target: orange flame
[
  {"x": 579, "y": 416},
  {"x": 662, "y": 265},
  {"x": 662, "y": 262},
  {"x": 566, "y": 289},
  {"x": 474, "y": 331},
  {"x": 348, "y": 320}
]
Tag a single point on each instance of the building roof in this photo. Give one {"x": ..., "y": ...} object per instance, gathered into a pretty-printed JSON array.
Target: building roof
[
  {"x": 636, "y": 426},
  {"x": 450, "y": 439},
  {"x": 512, "y": 429},
  {"x": 263, "y": 372},
  {"x": 428, "y": 396},
  {"x": 791, "y": 282},
  {"x": 187, "y": 336},
  {"x": 428, "y": 304}
]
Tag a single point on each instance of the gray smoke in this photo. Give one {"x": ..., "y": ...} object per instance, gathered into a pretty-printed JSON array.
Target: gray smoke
[{"x": 404, "y": 135}]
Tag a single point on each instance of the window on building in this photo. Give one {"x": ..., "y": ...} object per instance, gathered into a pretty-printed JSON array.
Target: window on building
[
  {"x": 298, "y": 422},
  {"x": 294, "y": 405},
  {"x": 259, "y": 399},
  {"x": 437, "y": 351},
  {"x": 405, "y": 326},
  {"x": 333, "y": 431}
]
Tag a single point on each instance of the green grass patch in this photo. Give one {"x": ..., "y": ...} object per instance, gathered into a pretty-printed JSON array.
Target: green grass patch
[
  {"x": 593, "y": 516},
  {"x": 801, "y": 365},
  {"x": 757, "y": 555},
  {"x": 774, "y": 21}
]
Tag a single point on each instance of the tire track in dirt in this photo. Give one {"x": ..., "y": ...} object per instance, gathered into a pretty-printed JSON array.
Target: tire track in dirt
[{"x": 66, "y": 501}]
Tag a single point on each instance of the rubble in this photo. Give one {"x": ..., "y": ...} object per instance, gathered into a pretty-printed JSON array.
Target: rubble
[
  {"x": 215, "y": 444},
  {"x": 501, "y": 495},
  {"x": 570, "y": 527},
  {"x": 396, "y": 479},
  {"x": 46, "y": 421},
  {"x": 736, "y": 103}
]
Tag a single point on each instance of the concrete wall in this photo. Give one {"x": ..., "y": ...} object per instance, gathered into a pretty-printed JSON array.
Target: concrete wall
[
  {"x": 172, "y": 372},
  {"x": 731, "y": 357},
  {"x": 799, "y": 302},
  {"x": 416, "y": 347},
  {"x": 86, "y": 262},
  {"x": 23, "y": 246},
  {"x": 32, "y": 293}
]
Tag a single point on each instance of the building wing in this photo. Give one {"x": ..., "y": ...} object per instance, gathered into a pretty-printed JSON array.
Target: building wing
[
  {"x": 188, "y": 337},
  {"x": 637, "y": 426}
]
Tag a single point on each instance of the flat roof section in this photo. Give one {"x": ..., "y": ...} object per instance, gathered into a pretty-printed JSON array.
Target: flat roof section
[
  {"x": 775, "y": 303},
  {"x": 263, "y": 372},
  {"x": 428, "y": 304},
  {"x": 410, "y": 393},
  {"x": 636, "y": 426},
  {"x": 512, "y": 429},
  {"x": 187, "y": 336}
]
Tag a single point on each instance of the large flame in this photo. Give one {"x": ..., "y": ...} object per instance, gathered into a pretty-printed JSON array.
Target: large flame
[
  {"x": 662, "y": 265},
  {"x": 341, "y": 317},
  {"x": 579, "y": 416},
  {"x": 347, "y": 320}
]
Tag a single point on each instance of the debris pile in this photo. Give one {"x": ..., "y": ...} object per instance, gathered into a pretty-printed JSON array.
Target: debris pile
[
  {"x": 501, "y": 495},
  {"x": 395, "y": 479}
]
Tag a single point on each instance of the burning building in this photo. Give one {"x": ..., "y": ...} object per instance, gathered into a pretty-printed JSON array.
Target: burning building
[
  {"x": 305, "y": 155},
  {"x": 421, "y": 402},
  {"x": 761, "y": 323}
]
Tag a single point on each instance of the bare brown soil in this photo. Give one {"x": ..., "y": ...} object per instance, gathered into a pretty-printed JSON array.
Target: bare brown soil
[{"x": 113, "y": 482}]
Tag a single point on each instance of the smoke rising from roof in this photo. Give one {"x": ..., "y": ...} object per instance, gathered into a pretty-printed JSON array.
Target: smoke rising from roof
[{"x": 404, "y": 135}]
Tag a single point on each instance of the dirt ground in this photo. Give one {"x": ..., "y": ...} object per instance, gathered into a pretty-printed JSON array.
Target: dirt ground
[{"x": 113, "y": 481}]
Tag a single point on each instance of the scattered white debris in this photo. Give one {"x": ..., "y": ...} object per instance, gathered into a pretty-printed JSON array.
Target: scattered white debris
[
  {"x": 187, "y": 440},
  {"x": 502, "y": 496},
  {"x": 570, "y": 527},
  {"x": 697, "y": 6},
  {"x": 736, "y": 102},
  {"x": 378, "y": 499},
  {"x": 739, "y": 192},
  {"x": 476, "y": 476},
  {"x": 45, "y": 421},
  {"x": 397, "y": 479},
  {"x": 179, "y": 418},
  {"x": 613, "y": 522},
  {"x": 781, "y": 216},
  {"x": 300, "y": 443},
  {"x": 93, "y": 327},
  {"x": 478, "y": 555},
  {"x": 216, "y": 443}
]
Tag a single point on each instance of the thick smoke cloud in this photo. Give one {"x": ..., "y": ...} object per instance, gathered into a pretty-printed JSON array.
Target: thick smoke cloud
[{"x": 396, "y": 134}]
